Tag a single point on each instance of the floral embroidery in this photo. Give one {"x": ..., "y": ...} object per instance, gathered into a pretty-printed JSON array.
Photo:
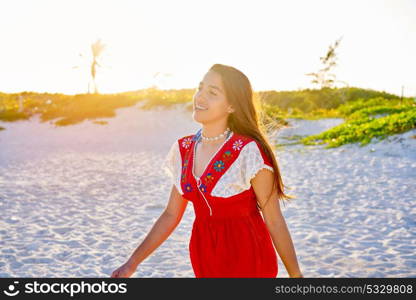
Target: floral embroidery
[
  {"x": 185, "y": 164},
  {"x": 219, "y": 165},
  {"x": 209, "y": 178},
  {"x": 227, "y": 156},
  {"x": 223, "y": 161},
  {"x": 237, "y": 145},
  {"x": 186, "y": 142},
  {"x": 188, "y": 187},
  {"x": 203, "y": 188}
]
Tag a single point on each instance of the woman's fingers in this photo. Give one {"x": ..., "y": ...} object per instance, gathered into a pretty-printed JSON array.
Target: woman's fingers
[{"x": 122, "y": 272}]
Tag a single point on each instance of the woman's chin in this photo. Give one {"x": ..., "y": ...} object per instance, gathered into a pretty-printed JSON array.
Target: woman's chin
[{"x": 197, "y": 117}]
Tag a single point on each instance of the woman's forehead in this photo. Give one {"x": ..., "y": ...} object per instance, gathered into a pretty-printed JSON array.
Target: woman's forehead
[{"x": 213, "y": 80}]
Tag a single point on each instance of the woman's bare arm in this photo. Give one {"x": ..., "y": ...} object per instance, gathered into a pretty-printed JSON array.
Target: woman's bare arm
[
  {"x": 162, "y": 228},
  {"x": 262, "y": 185}
]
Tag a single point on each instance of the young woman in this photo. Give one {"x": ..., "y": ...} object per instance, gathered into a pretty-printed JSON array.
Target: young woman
[{"x": 230, "y": 174}]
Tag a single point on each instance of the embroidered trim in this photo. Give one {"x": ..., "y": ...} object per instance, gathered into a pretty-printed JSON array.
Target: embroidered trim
[
  {"x": 237, "y": 145},
  {"x": 186, "y": 142},
  {"x": 220, "y": 166},
  {"x": 253, "y": 161},
  {"x": 245, "y": 167}
]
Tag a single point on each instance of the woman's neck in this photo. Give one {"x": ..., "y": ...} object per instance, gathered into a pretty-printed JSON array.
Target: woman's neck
[{"x": 213, "y": 131}]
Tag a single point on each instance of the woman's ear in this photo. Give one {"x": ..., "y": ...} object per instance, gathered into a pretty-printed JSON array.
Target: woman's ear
[{"x": 230, "y": 109}]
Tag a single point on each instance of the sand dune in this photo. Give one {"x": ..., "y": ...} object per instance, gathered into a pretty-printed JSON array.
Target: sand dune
[{"x": 77, "y": 200}]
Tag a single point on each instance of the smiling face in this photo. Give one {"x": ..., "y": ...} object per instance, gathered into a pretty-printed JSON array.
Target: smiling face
[{"x": 210, "y": 97}]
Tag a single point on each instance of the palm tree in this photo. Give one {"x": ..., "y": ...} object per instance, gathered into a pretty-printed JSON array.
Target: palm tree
[{"x": 97, "y": 49}]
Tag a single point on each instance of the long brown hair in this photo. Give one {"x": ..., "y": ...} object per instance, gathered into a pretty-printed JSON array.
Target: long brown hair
[{"x": 247, "y": 118}]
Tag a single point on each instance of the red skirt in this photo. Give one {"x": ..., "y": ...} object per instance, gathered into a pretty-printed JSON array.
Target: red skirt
[{"x": 238, "y": 246}]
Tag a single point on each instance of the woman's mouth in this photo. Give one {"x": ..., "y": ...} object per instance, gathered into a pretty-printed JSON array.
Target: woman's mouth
[{"x": 200, "y": 108}]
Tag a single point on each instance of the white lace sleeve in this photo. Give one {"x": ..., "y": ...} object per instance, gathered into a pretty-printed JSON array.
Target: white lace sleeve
[
  {"x": 238, "y": 176},
  {"x": 254, "y": 162},
  {"x": 172, "y": 166}
]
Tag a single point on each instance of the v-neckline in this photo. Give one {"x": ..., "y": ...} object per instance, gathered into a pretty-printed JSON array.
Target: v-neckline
[{"x": 212, "y": 157}]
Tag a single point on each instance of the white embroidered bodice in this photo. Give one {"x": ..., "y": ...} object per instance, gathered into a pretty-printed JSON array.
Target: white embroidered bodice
[{"x": 234, "y": 181}]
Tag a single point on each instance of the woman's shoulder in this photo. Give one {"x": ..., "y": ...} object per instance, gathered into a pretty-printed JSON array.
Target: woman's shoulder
[{"x": 252, "y": 148}]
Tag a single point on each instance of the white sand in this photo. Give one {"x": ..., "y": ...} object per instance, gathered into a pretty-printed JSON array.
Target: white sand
[{"x": 76, "y": 201}]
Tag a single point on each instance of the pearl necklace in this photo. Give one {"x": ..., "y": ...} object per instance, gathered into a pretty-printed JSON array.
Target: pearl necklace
[{"x": 214, "y": 138}]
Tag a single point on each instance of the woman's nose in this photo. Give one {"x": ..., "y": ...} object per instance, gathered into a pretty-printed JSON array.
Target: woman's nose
[{"x": 198, "y": 98}]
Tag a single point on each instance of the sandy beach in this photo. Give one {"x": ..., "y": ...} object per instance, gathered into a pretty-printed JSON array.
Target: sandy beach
[{"x": 77, "y": 200}]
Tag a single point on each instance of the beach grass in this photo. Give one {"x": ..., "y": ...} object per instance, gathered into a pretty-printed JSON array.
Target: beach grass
[
  {"x": 367, "y": 113},
  {"x": 367, "y": 119}
]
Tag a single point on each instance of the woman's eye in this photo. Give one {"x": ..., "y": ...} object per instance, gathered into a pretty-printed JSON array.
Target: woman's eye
[{"x": 199, "y": 88}]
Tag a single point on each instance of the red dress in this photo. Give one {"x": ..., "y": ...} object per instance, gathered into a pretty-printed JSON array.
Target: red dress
[{"x": 229, "y": 236}]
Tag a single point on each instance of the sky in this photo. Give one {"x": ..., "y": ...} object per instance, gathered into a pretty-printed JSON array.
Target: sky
[{"x": 172, "y": 44}]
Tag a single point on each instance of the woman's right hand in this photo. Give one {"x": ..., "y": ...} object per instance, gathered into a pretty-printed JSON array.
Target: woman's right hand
[{"x": 125, "y": 271}]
